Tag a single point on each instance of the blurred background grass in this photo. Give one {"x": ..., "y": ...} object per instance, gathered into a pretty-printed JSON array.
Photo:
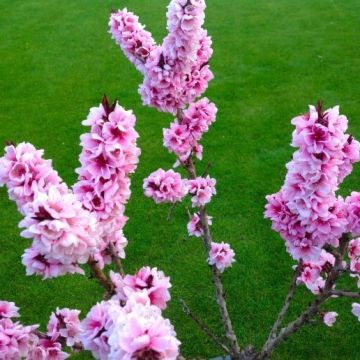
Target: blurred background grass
[{"x": 271, "y": 59}]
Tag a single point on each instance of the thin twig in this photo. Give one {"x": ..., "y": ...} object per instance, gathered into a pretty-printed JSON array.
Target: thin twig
[
  {"x": 285, "y": 308},
  {"x": 98, "y": 274},
  {"x": 206, "y": 170},
  {"x": 314, "y": 307},
  {"x": 116, "y": 259},
  {"x": 203, "y": 326},
  {"x": 219, "y": 290},
  {"x": 349, "y": 294},
  {"x": 171, "y": 211}
]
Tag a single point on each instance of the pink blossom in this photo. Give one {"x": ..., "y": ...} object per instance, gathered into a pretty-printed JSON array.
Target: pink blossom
[
  {"x": 24, "y": 172},
  {"x": 43, "y": 265},
  {"x": 176, "y": 72},
  {"x": 354, "y": 248},
  {"x": 201, "y": 189},
  {"x": 60, "y": 227},
  {"x": 47, "y": 349},
  {"x": 96, "y": 325},
  {"x": 194, "y": 225},
  {"x": 356, "y": 310},
  {"x": 329, "y": 318},
  {"x": 131, "y": 36},
  {"x": 109, "y": 155},
  {"x": 151, "y": 281},
  {"x": 165, "y": 186},
  {"x": 306, "y": 211},
  {"x": 313, "y": 274},
  {"x": 8, "y": 309},
  {"x": 15, "y": 339},
  {"x": 65, "y": 324},
  {"x": 221, "y": 255},
  {"x": 142, "y": 332},
  {"x": 183, "y": 135}
]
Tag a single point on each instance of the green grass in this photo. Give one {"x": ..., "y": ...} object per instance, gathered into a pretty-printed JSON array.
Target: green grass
[{"x": 271, "y": 59}]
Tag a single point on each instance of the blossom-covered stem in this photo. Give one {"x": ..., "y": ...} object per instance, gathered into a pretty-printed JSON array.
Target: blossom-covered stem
[
  {"x": 314, "y": 307},
  {"x": 219, "y": 290},
  {"x": 286, "y": 305},
  {"x": 98, "y": 274},
  {"x": 116, "y": 260},
  {"x": 203, "y": 327}
]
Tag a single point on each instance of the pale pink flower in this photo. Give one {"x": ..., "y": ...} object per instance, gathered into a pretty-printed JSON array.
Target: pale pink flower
[
  {"x": 151, "y": 281},
  {"x": 165, "y": 186},
  {"x": 194, "y": 225},
  {"x": 143, "y": 333},
  {"x": 221, "y": 255},
  {"x": 65, "y": 324},
  {"x": 356, "y": 310},
  {"x": 47, "y": 349},
  {"x": 329, "y": 318},
  {"x": 15, "y": 339},
  {"x": 8, "y": 309},
  {"x": 43, "y": 265},
  {"x": 201, "y": 189}
]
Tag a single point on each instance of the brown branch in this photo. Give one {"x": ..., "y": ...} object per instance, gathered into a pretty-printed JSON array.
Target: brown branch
[
  {"x": 203, "y": 326},
  {"x": 98, "y": 274},
  {"x": 116, "y": 259},
  {"x": 283, "y": 311},
  {"x": 349, "y": 294},
  {"x": 219, "y": 290},
  {"x": 314, "y": 307}
]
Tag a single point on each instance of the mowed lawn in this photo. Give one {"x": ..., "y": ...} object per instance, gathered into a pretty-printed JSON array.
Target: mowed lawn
[{"x": 271, "y": 59}]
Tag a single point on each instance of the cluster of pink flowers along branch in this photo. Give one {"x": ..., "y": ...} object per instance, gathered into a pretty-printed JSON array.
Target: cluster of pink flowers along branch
[{"x": 84, "y": 225}]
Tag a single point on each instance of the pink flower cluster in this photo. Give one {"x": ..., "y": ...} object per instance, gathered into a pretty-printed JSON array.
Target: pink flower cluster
[
  {"x": 61, "y": 229},
  {"x": 135, "y": 331},
  {"x": 131, "y": 36},
  {"x": 194, "y": 225},
  {"x": 354, "y": 256},
  {"x": 306, "y": 211},
  {"x": 201, "y": 189},
  {"x": 25, "y": 173},
  {"x": 63, "y": 232},
  {"x": 221, "y": 255},
  {"x": 147, "y": 280},
  {"x": 184, "y": 134},
  {"x": 46, "y": 349},
  {"x": 108, "y": 158},
  {"x": 313, "y": 274},
  {"x": 165, "y": 186},
  {"x": 24, "y": 342},
  {"x": 64, "y": 326},
  {"x": 176, "y": 72}
]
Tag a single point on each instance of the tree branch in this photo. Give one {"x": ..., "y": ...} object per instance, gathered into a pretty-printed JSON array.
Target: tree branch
[
  {"x": 219, "y": 290},
  {"x": 116, "y": 259},
  {"x": 203, "y": 326},
  {"x": 349, "y": 294},
  {"x": 314, "y": 307},
  {"x": 285, "y": 307},
  {"x": 97, "y": 273}
]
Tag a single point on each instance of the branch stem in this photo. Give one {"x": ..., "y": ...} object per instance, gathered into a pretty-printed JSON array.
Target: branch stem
[
  {"x": 98, "y": 274},
  {"x": 203, "y": 327}
]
